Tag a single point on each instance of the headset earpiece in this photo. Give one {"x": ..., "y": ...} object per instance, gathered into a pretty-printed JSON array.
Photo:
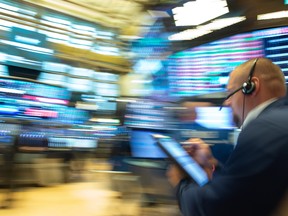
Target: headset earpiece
[{"x": 248, "y": 87}]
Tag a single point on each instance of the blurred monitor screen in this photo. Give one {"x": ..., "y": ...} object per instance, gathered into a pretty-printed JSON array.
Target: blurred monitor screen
[
  {"x": 67, "y": 142},
  {"x": 143, "y": 145},
  {"x": 212, "y": 125},
  {"x": 150, "y": 114},
  {"x": 214, "y": 118}
]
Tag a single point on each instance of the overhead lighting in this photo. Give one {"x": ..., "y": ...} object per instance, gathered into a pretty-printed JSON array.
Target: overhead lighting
[
  {"x": 129, "y": 37},
  {"x": 8, "y": 109},
  {"x": 158, "y": 14},
  {"x": 274, "y": 15},
  {"x": 14, "y": 91},
  {"x": 27, "y": 40},
  {"x": 189, "y": 34},
  {"x": 31, "y": 48},
  {"x": 3, "y": 57},
  {"x": 46, "y": 100},
  {"x": 2, "y": 28},
  {"x": 16, "y": 9},
  {"x": 141, "y": 81},
  {"x": 201, "y": 30},
  {"x": 86, "y": 106},
  {"x": 58, "y": 36},
  {"x": 111, "y": 121},
  {"x": 16, "y": 13},
  {"x": 221, "y": 23},
  {"x": 22, "y": 60},
  {"x": 198, "y": 12},
  {"x": 55, "y": 24},
  {"x": 8, "y": 7},
  {"x": 56, "y": 20},
  {"x": 126, "y": 100},
  {"x": 87, "y": 29}
]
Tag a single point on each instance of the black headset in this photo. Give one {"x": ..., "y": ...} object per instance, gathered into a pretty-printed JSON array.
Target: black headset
[{"x": 249, "y": 86}]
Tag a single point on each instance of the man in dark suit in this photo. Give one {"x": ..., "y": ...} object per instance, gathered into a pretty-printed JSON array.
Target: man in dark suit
[{"x": 254, "y": 179}]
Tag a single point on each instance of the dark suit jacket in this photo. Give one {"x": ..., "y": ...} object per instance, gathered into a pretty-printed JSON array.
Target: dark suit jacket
[{"x": 255, "y": 177}]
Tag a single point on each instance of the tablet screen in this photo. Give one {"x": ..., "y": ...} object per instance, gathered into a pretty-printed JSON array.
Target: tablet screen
[{"x": 179, "y": 155}]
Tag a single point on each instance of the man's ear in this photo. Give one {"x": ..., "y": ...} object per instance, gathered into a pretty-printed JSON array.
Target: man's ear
[{"x": 256, "y": 87}]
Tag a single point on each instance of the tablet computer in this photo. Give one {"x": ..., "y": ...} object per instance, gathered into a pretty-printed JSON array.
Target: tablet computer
[{"x": 180, "y": 156}]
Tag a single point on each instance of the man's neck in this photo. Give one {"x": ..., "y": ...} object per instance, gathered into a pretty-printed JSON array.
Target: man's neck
[{"x": 257, "y": 110}]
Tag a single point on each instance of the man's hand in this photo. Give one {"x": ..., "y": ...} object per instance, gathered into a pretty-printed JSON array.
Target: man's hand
[
  {"x": 175, "y": 174},
  {"x": 201, "y": 153}
]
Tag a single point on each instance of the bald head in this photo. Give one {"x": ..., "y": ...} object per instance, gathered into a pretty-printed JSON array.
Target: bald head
[{"x": 272, "y": 80}]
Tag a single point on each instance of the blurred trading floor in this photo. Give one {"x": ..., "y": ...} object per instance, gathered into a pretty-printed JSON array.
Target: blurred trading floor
[{"x": 93, "y": 195}]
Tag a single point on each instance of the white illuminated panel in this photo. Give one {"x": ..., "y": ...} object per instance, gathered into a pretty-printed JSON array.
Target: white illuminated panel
[
  {"x": 213, "y": 117},
  {"x": 79, "y": 85},
  {"x": 56, "y": 79},
  {"x": 55, "y": 67},
  {"x": 274, "y": 15},
  {"x": 4, "y": 70},
  {"x": 102, "y": 76},
  {"x": 106, "y": 89},
  {"x": 81, "y": 72},
  {"x": 201, "y": 30},
  {"x": 199, "y": 11},
  {"x": 31, "y": 48}
]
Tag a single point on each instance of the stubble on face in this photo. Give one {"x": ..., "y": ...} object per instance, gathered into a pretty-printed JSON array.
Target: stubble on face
[{"x": 236, "y": 120}]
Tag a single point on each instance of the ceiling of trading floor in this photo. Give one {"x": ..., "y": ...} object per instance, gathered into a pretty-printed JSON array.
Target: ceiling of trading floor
[
  {"x": 126, "y": 15},
  {"x": 132, "y": 16}
]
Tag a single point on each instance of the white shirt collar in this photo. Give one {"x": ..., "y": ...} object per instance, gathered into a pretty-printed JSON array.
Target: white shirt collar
[{"x": 256, "y": 111}]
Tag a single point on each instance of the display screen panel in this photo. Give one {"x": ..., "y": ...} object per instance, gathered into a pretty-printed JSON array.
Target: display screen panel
[
  {"x": 205, "y": 69},
  {"x": 144, "y": 146}
]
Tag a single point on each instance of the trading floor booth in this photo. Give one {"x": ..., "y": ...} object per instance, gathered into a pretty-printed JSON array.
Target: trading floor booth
[
  {"x": 150, "y": 164},
  {"x": 147, "y": 161}
]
